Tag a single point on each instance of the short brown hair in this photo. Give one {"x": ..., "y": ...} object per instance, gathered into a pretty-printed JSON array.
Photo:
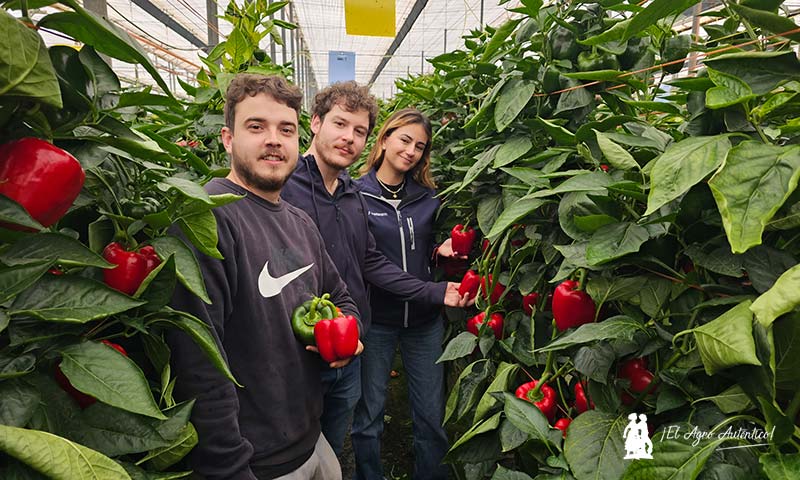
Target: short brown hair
[
  {"x": 407, "y": 116},
  {"x": 348, "y": 95},
  {"x": 251, "y": 84}
]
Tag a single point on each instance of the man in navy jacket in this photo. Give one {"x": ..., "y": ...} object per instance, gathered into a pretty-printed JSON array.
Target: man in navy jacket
[{"x": 343, "y": 115}]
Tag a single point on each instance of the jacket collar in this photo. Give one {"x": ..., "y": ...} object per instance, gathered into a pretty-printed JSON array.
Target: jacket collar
[
  {"x": 369, "y": 184},
  {"x": 307, "y": 167}
]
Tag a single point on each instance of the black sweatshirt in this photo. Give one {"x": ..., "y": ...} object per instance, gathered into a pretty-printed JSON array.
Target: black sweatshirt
[{"x": 275, "y": 260}]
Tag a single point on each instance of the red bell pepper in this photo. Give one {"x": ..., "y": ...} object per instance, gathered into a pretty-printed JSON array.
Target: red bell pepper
[
  {"x": 497, "y": 290},
  {"x": 581, "y": 402},
  {"x": 132, "y": 267},
  {"x": 41, "y": 177},
  {"x": 337, "y": 338},
  {"x": 495, "y": 323},
  {"x": 469, "y": 284},
  {"x": 572, "y": 307},
  {"x": 562, "y": 424},
  {"x": 629, "y": 367},
  {"x": 545, "y": 400},
  {"x": 528, "y": 302},
  {"x": 462, "y": 239}
]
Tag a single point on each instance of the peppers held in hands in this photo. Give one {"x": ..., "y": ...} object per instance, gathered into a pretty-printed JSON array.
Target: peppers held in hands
[
  {"x": 495, "y": 323},
  {"x": 469, "y": 284},
  {"x": 41, "y": 177},
  {"x": 337, "y": 338},
  {"x": 545, "y": 400},
  {"x": 306, "y": 316},
  {"x": 571, "y": 307},
  {"x": 462, "y": 239},
  {"x": 528, "y": 302},
  {"x": 132, "y": 267}
]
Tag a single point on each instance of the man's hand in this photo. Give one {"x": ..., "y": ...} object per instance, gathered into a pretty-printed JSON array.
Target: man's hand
[
  {"x": 446, "y": 250},
  {"x": 340, "y": 363},
  {"x": 454, "y": 299}
]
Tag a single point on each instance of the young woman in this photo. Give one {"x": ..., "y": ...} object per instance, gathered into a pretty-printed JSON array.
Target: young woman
[{"x": 399, "y": 195}]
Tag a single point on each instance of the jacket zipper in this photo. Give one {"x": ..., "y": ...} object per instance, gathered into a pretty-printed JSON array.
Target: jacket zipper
[{"x": 402, "y": 245}]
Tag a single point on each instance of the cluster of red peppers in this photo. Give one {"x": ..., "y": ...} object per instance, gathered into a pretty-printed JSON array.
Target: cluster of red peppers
[
  {"x": 81, "y": 398},
  {"x": 319, "y": 322},
  {"x": 636, "y": 372},
  {"x": 44, "y": 179}
]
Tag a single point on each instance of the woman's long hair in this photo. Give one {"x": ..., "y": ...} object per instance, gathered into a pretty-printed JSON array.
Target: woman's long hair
[{"x": 421, "y": 172}]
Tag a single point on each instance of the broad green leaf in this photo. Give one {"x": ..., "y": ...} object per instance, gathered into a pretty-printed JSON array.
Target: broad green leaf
[
  {"x": 18, "y": 401},
  {"x": 595, "y": 182},
  {"x": 163, "y": 458},
  {"x": 614, "y": 328},
  {"x": 464, "y": 394},
  {"x": 561, "y": 135},
  {"x": 512, "y": 214},
  {"x": 528, "y": 176},
  {"x": 13, "y": 212},
  {"x": 501, "y": 383},
  {"x": 727, "y": 340},
  {"x": 12, "y": 366},
  {"x": 752, "y": 185},
  {"x": 503, "y": 473},
  {"x": 57, "y": 457},
  {"x": 762, "y": 71},
  {"x": 683, "y": 165},
  {"x": 114, "y": 432},
  {"x": 615, "y": 240},
  {"x": 14, "y": 280},
  {"x": 487, "y": 425},
  {"x": 482, "y": 161},
  {"x": 617, "y": 156},
  {"x": 104, "y": 36},
  {"x": 731, "y": 400},
  {"x": 70, "y": 298},
  {"x": 771, "y": 22},
  {"x": 498, "y": 38},
  {"x": 189, "y": 188},
  {"x": 53, "y": 247},
  {"x": 673, "y": 459},
  {"x": 185, "y": 262},
  {"x": 511, "y": 101},
  {"x": 25, "y": 67},
  {"x": 513, "y": 149},
  {"x": 595, "y": 447},
  {"x": 573, "y": 100},
  {"x": 201, "y": 334},
  {"x": 782, "y": 298},
  {"x": 100, "y": 371},
  {"x": 781, "y": 466},
  {"x": 527, "y": 417},
  {"x": 655, "y": 10},
  {"x": 460, "y": 346},
  {"x": 719, "y": 260},
  {"x": 729, "y": 90},
  {"x": 488, "y": 210},
  {"x": 579, "y": 216},
  {"x": 787, "y": 352},
  {"x": 603, "y": 290}
]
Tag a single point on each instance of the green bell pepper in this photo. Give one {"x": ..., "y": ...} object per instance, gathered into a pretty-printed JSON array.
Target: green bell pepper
[{"x": 308, "y": 314}]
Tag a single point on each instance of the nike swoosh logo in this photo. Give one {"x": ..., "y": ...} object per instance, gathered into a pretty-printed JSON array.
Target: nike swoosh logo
[{"x": 269, "y": 286}]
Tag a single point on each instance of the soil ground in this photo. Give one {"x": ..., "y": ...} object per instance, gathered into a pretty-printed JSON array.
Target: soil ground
[{"x": 397, "y": 450}]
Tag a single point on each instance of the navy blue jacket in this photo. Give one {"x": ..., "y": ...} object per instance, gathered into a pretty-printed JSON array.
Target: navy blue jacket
[
  {"x": 405, "y": 235},
  {"x": 342, "y": 221}
]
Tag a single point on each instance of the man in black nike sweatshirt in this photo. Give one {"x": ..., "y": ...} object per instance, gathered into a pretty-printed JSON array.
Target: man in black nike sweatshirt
[{"x": 274, "y": 259}]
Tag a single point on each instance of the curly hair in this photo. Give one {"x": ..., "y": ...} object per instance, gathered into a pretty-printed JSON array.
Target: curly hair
[
  {"x": 407, "y": 116},
  {"x": 348, "y": 95},
  {"x": 251, "y": 84}
]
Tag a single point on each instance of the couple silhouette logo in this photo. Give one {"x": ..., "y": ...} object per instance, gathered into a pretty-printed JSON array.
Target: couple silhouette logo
[{"x": 637, "y": 440}]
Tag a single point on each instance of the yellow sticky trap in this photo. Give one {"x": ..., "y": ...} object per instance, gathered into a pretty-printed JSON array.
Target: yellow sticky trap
[{"x": 374, "y": 18}]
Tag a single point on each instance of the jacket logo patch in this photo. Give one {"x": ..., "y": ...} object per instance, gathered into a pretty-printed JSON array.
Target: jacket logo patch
[
  {"x": 377, "y": 214},
  {"x": 269, "y": 286}
]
